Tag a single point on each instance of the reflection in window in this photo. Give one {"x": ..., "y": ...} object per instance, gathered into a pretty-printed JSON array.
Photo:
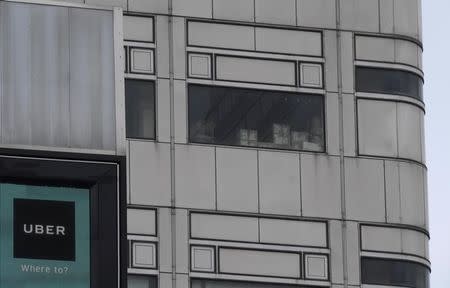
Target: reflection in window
[
  {"x": 257, "y": 118},
  {"x": 140, "y": 108},
  {"x": 394, "y": 273},
  {"x": 138, "y": 281},
  {"x": 205, "y": 283},
  {"x": 389, "y": 81}
]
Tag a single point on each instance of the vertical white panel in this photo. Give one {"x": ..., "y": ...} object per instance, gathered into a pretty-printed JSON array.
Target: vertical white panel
[
  {"x": 165, "y": 241},
  {"x": 316, "y": 13},
  {"x": 92, "y": 107},
  {"x": 349, "y": 115},
  {"x": 332, "y": 116},
  {"x": 347, "y": 65},
  {"x": 409, "y": 131},
  {"x": 360, "y": 15},
  {"x": 182, "y": 281},
  {"x": 387, "y": 16},
  {"x": 240, "y": 10},
  {"x": 330, "y": 51},
  {"x": 320, "y": 182},
  {"x": 377, "y": 128},
  {"x": 182, "y": 249},
  {"x": 195, "y": 177},
  {"x": 336, "y": 252},
  {"x": 364, "y": 189},
  {"x": 180, "y": 108},
  {"x": 149, "y": 173},
  {"x": 353, "y": 268},
  {"x": 237, "y": 180},
  {"x": 279, "y": 182},
  {"x": 406, "y": 17},
  {"x": 165, "y": 280},
  {"x": 163, "y": 112},
  {"x": 179, "y": 46},
  {"x": 412, "y": 194},
  {"x": 193, "y": 8},
  {"x": 275, "y": 11},
  {"x": 162, "y": 45},
  {"x": 392, "y": 184}
]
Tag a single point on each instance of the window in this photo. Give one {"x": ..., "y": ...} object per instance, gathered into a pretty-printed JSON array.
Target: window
[
  {"x": 389, "y": 81},
  {"x": 206, "y": 283},
  {"x": 140, "y": 108},
  {"x": 394, "y": 273},
  {"x": 137, "y": 281},
  {"x": 256, "y": 118}
]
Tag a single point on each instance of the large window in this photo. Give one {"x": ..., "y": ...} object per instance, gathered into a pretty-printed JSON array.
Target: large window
[
  {"x": 206, "y": 283},
  {"x": 138, "y": 281},
  {"x": 389, "y": 81},
  {"x": 257, "y": 118},
  {"x": 140, "y": 108},
  {"x": 394, "y": 273}
]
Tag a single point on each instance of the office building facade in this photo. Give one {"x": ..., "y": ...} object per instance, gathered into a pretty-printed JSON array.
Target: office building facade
[{"x": 254, "y": 143}]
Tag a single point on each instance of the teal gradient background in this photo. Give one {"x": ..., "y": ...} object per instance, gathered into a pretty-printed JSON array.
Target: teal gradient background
[{"x": 74, "y": 274}]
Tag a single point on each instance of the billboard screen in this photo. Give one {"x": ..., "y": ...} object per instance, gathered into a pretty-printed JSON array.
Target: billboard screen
[{"x": 44, "y": 237}]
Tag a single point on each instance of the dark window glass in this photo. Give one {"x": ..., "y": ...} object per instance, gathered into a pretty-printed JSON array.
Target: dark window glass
[
  {"x": 394, "y": 273},
  {"x": 388, "y": 81},
  {"x": 138, "y": 281},
  {"x": 246, "y": 117},
  {"x": 140, "y": 108},
  {"x": 205, "y": 283}
]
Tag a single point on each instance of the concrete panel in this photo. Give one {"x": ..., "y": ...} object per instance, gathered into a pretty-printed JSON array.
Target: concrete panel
[
  {"x": 163, "y": 114},
  {"x": 137, "y": 28},
  {"x": 406, "y": 18},
  {"x": 375, "y": 49},
  {"x": 108, "y": 3},
  {"x": 289, "y": 41},
  {"x": 382, "y": 239},
  {"x": 195, "y": 177},
  {"x": 316, "y": 267},
  {"x": 149, "y": 173},
  {"x": 237, "y": 180},
  {"x": 320, "y": 182},
  {"x": 255, "y": 70},
  {"x": 407, "y": 52},
  {"x": 349, "y": 115},
  {"x": 364, "y": 195},
  {"x": 409, "y": 132},
  {"x": 165, "y": 240},
  {"x": 162, "y": 42},
  {"x": 361, "y": 15},
  {"x": 291, "y": 232},
  {"x": 412, "y": 194},
  {"x": 182, "y": 240},
  {"x": 144, "y": 255},
  {"x": 331, "y": 70},
  {"x": 221, "y": 35},
  {"x": 347, "y": 59},
  {"x": 255, "y": 262},
  {"x": 353, "y": 254},
  {"x": 275, "y": 11},
  {"x": 332, "y": 118},
  {"x": 311, "y": 75},
  {"x": 141, "y": 221},
  {"x": 180, "y": 107},
  {"x": 193, "y": 8},
  {"x": 316, "y": 13},
  {"x": 146, "y": 6},
  {"x": 387, "y": 16},
  {"x": 203, "y": 259},
  {"x": 179, "y": 44},
  {"x": 239, "y": 10},
  {"x": 336, "y": 252},
  {"x": 377, "y": 128},
  {"x": 279, "y": 183},
  {"x": 392, "y": 184},
  {"x": 223, "y": 227}
]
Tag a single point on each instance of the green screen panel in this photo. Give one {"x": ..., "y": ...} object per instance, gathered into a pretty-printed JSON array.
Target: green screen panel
[{"x": 44, "y": 237}]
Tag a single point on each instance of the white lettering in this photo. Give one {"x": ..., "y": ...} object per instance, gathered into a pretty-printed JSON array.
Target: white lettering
[
  {"x": 60, "y": 230},
  {"x": 49, "y": 230},
  {"x": 29, "y": 230},
  {"x": 44, "y": 229},
  {"x": 39, "y": 229}
]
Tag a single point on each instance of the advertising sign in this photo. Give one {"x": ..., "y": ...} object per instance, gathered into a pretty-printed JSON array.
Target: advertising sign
[{"x": 44, "y": 237}]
